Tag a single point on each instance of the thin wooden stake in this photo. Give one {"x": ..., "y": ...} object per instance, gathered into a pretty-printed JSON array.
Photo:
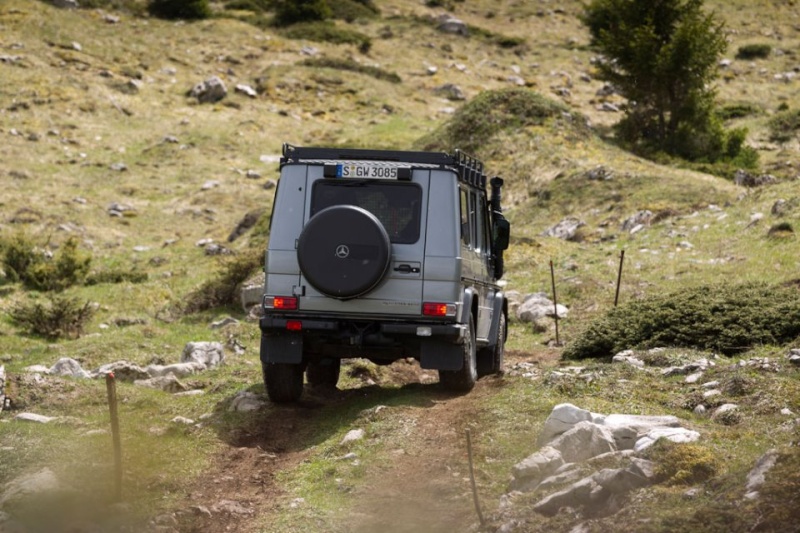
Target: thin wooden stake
[
  {"x": 472, "y": 480},
  {"x": 555, "y": 300},
  {"x": 111, "y": 387},
  {"x": 619, "y": 276}
]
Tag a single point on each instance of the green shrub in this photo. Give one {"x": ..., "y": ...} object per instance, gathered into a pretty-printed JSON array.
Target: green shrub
[
  {"x": 116, "y": 275},
  {"x": 489, "y": 113},
  {"x": 329, "y": 33},
  {"x": 351, "y": 10},
  {"x": 683, "y": 464},
  {"x": 19, "y": 253},
  {"x": 256, "y": 6},
  {"x": 222, "y": 289},
  {"x": 784, "y": 126},
  {"x": 179, "y": 9},
  {"x": 753, "y": 51},
  {"x": 349, "y": 64},
  {"x": 56, "y": 318},
  {"x": 741, "y": 110},
  {"x": 726, "y": 318},
  {"x": 288, "y": 12},
  {"x": 25, "y": 262}
]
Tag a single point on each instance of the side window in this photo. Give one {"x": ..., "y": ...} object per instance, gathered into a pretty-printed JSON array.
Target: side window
[
  {"x": 465, "y": 229},
  {"x": 475, "y": 222},
  {"x": 480, "y": 224}
]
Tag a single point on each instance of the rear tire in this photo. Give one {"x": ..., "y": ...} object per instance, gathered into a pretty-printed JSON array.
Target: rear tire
[
  {"x": 283, "y": 381},
  {"x": 490, "y": 360},
  {"x": 324, "y": 372},
  {"x": 463, "y": 380}
]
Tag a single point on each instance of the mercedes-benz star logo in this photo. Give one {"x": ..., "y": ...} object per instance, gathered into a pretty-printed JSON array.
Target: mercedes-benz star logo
[{"x": 342, "y": 251}]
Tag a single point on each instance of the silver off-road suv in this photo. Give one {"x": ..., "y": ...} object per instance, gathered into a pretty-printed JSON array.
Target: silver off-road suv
[{"x": 382, "y": 255}]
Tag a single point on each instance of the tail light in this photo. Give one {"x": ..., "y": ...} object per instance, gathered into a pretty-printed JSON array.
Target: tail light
[
  {"x": 280, "y": 303},
  {"x": 439, "y": 309}
]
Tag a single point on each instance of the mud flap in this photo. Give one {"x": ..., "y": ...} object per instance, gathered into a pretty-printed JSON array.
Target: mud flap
[
  {"x": 441, "y": 355},
  {"x": 284, "y": 348}
]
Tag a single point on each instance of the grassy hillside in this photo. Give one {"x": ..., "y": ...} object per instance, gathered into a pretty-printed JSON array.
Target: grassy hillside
[{"x": 94, "y": 112}]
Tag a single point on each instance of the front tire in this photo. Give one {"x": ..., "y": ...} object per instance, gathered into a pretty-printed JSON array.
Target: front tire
[
  {"x": 463, "y": 380},
  {"x": 283, "y": 381}
]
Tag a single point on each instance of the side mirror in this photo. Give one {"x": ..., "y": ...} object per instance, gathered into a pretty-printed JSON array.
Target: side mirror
[{"x": 502, "y": 232}]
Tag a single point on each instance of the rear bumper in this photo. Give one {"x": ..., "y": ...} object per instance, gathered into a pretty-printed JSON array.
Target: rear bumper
[
  {"x": 436, "y": 346},
  {"x": 272, "y": 324}
]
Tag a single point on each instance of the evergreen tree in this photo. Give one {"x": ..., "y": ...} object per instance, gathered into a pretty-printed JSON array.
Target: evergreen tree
[{"x": 662, "y": 55}]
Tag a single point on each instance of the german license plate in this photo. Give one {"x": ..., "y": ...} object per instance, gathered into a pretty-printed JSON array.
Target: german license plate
[{"x": 366, "y": 172}]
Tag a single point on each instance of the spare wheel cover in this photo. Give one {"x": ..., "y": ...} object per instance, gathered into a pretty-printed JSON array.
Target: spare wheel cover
[{"x": 344, "y": 251}]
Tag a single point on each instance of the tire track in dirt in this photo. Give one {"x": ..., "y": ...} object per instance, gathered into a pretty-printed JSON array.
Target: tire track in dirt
[{"x": 422, "y": 485}]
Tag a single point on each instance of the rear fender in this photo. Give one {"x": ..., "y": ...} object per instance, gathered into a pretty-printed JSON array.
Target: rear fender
[{"x": 499, "y": 307}]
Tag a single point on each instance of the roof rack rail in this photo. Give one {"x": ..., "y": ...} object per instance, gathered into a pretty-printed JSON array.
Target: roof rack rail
[{"x": 468, "y": 168}]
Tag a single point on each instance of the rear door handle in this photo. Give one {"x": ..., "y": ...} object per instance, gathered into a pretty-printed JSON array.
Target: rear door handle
[{"x": 407, "y": 269}]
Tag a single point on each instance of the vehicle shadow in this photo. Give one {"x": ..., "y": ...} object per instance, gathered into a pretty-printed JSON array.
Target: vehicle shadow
[{"x": 320, "y": 413}]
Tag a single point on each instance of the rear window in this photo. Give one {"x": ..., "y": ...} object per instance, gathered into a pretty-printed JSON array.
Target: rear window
[{"x": 396, "y": 205}]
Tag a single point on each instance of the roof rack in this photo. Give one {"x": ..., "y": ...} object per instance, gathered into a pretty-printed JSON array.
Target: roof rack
[{"x": 468, "y": 168}]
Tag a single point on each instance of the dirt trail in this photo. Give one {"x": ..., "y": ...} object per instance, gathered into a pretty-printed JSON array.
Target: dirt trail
[{"x": 423, "y": 484}]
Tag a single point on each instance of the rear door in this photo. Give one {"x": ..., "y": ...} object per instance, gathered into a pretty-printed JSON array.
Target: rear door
[{"x": 401, "y": 207}]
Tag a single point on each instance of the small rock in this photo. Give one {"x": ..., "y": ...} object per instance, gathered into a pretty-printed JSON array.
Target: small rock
[
  {"x": 210, "y": 354},
  {"x": 223, "y": 322},
  {"x": 757, "y": 475},
  {"x": 122, "y": 370},
  {"x": 245, "y": 402},
  {"x": 642, "y": 218},
  {"x": 538, "y": 305},
  {"x": 182, "y": 420},
  {"x": 69, "y": 368},
  {"x": 179, "y": 370},
  {"x": 724, "y": 409},
  {"x": 451, "y": 92},
  {"x": 352, "y": 436},
  {"x": 167, "y": 383},
  {"x": 449, "y": 24},
  {"x": 693, "y": 378},
  {"x": 567, "y": 229},
  {"x": 246, "y": 90},
  {"x": 194, "y": 392},
  {"x": 231, "y": 508},
  {"x": 699, "y": 410},
  {"x": 677, "y": 435},
  {"x": 608, "y": 107},
  {"x": 692, "y": 493},
  {"x": 599, "y": 173},
  {"x": 628, "y": 358},
  {"x": 33, "y": 417},
  {"x": 209, "y": 91}
]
